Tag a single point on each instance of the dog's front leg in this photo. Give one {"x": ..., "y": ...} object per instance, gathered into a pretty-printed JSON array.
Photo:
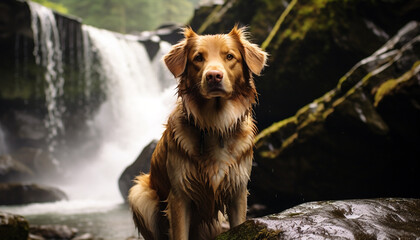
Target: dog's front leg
[
  {"x": 179, "y": 216},
  {"x": 237, "y": 208}
]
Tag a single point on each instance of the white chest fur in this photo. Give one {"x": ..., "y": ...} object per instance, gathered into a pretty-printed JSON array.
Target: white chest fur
[{"x": 213, "y": 159}]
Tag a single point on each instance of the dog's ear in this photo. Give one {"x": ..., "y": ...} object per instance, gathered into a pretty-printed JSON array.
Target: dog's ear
[
  {"x": 176, "y": 59},
  {"x": 254, "y": 56}
]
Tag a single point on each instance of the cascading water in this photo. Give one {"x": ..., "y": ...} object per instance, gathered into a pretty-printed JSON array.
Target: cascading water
[
  {"x": 3, "y": 146},
  {"x": 133, "y": 114},
  {"x": 48, "y": 55}
]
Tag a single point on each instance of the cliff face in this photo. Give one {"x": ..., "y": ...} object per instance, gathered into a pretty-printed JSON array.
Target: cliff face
[
  {"x": 316, "y": 44},
  {"x": 42, "y": 58},
  {"x": 356, "y": 141}
]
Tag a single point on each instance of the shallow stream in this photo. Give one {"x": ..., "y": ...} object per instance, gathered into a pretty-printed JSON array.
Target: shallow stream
[{"x": 104, "y": 220}]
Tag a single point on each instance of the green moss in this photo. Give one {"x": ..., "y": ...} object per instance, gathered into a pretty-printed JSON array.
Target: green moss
[
  {"x": 274, "y": 128},
  {"x": 386, "y": 87},
  {"x": 304, "y": 19}
]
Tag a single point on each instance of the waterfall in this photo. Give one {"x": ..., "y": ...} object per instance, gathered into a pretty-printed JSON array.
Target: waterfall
[
  {"x": 132, "y": 115},
  {"x": 104, "y": 101},
  {"x": 48, "y": 55},
  {"x": 3, "y": 146}
]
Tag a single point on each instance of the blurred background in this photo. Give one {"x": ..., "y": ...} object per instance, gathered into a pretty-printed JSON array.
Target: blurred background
[{"x": 84, "y": 94}]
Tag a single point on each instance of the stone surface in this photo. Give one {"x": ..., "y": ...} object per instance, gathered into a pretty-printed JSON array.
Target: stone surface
[
  {"x": 13, "y": 227},
  {"x": 85, "y": 236},
  {"x": 61, "y": 232},
  {"x": 349, "y": 219},
  {"x": 20, "y": 193},
  {"x": 359, "y": 140},
  {"x": 318, "y": 41},
  {"x": 141, "y": 164}
]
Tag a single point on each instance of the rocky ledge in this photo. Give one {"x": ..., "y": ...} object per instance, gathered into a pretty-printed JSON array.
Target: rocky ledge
[
  {"x": 349, "y": 219},
  {"x": 22, "y": 193}
]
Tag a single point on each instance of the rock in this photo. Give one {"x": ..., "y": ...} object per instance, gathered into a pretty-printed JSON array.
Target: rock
[
  {"x": 25, "y": 128},
  {"x": 61, "y": 232},
  {"x": 13, "y": 227},
  {"x": 35, "y": 237},
  {"x": 141, "y": 164},
  {"x": 86, "y": 236},
  {"x": 349, "y": 219},
  {"x": 12, "y": 170},
  {"x": 359, "y": 140},
  {"x": 318, "y": 41},
  {"x": 21, "y": 193}
]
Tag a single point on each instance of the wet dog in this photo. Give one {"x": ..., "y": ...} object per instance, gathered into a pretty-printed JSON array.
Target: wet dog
[{"x": 201, "y": 165}]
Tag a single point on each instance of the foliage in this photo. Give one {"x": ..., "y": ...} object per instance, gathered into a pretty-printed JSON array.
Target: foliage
[
  {"x": 127, "y": 16},
  {"x": 55, "y": 6}
]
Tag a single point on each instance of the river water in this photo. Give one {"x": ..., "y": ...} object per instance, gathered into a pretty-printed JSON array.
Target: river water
[{"x": 106, "y": 220}]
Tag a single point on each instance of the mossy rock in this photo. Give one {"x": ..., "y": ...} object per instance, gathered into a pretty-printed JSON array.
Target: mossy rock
[
  {"x": 349, "y": 142},
  {"x": 13, "y": 227},
  {"x": 318, "y": 41}
]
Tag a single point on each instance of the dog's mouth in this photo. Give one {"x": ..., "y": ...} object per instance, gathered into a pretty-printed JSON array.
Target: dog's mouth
[{"x": 216, "y": 91}]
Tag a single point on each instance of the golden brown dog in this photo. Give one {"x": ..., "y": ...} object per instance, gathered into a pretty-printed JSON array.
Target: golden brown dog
[{"x": 201, "y": 165}]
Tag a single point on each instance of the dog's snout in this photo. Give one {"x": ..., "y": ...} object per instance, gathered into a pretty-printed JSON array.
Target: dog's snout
[{"x": 214, "y": 76}]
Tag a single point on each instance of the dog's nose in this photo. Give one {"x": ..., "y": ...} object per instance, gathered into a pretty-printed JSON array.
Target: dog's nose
[{"x": 214, "y": 76}]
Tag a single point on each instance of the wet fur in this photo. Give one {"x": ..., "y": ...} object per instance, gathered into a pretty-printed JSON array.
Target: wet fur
[{"x": 202, "y": 163}]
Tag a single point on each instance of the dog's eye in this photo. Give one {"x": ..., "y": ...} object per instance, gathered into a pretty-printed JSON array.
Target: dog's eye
[
  {"x": 198, "y": 58},
  {"x": 229, "y": 57}
]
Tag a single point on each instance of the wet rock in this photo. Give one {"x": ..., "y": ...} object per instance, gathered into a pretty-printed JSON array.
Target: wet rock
[
  {"x": 35, "y": 237},
  {"x": 359, "y": 140},
  {"x": 349, "y": 219},
  {"x": 12, "y": 170},
  {"x": 59, "y": 232},
  {"x": 86, "y": 236},
  {"x": 13, "y": 227},
  {"x": 21, "y": 193},
  {"x": 141, "y": 164}
]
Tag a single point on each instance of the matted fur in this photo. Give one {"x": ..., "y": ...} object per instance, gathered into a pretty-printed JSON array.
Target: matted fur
[{"x": 201, "y": 165}]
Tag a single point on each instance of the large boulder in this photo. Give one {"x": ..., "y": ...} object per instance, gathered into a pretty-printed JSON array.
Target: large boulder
[
  {"x": 140, "y": 165},
  {"x": 13, "y": 227},
  {"x": 349, "y": 219},
  {"x": 360, "y": 140},
  {"x": 20, "y": 193}
]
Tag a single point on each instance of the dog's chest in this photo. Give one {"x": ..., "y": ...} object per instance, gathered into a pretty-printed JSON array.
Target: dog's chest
[
  {"x": 210, "y": 164},
  {"x": 220, "y": 162}
]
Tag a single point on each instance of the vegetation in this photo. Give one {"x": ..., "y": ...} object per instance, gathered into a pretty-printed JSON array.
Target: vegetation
[
  {"x": 126, "y": 16},
  {"x": 56, "y": 6}
]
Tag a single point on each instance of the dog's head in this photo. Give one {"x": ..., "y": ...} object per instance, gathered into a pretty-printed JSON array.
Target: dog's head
[{"x": 215, "y": 66}]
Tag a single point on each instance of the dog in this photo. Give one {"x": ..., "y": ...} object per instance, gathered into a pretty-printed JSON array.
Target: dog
[{"x": 202, "y": 164}]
